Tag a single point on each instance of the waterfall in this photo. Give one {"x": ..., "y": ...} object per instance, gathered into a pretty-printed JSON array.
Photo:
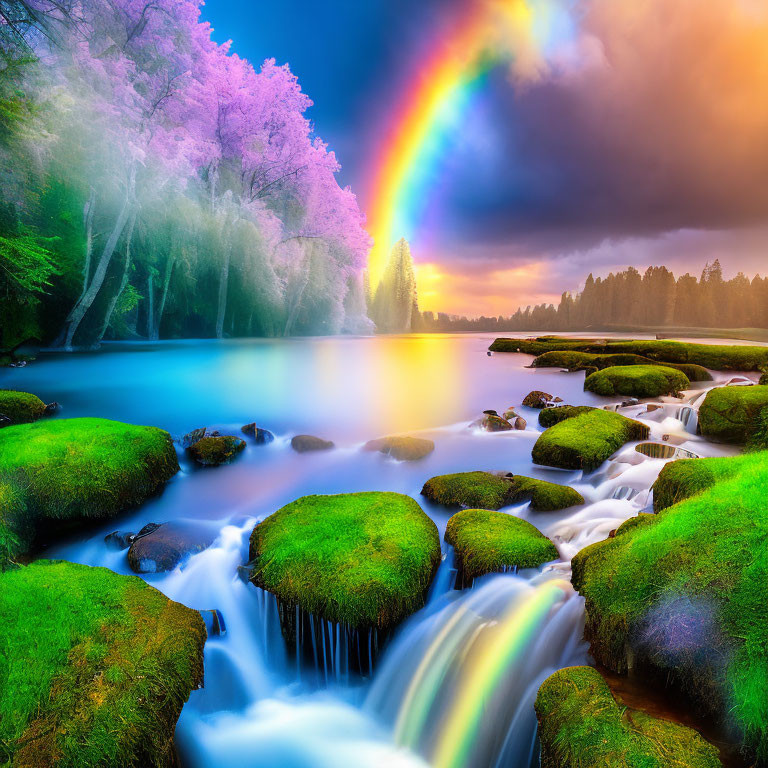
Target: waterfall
[{"x": 457, "y": 686}]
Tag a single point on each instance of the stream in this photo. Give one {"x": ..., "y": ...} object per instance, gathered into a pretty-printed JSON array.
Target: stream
[{"x": 455, "y": 686}]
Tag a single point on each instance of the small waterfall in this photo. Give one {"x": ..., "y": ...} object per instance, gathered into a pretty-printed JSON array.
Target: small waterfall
[{"x": 458, "y": 685}]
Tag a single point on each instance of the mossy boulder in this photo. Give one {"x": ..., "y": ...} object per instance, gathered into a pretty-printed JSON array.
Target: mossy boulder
[
  {"x": 20, "y": 407},
  {"x": 492, "y": 422},
  {"x": 581, "y": 725},
  {"x": 309, "y": 443},
  {"x": 681, "y": 595},
  {"x": 485, "y": 541},
  {"x": 402, "y": 448},
  {"x": 360, "y": 559},
  {"x": 551, "y": 416},
  {"x": 716, "y": 357},
  {"x": 637, "y": 381},
  {"x": 575, "y": 361},
  {"x": 735, "y": 415},
  {"x": 536, "y": 399},
  {"x": 60, "y": 473},
  {"x": 214, "y": 451},
  {"x": 484, "y": 490},
  {"x": 586, "y": 440},
  {"x": 94, "y": 668}
]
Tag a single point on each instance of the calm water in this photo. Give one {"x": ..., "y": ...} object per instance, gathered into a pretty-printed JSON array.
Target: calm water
[{"x": 434, "y": 699}]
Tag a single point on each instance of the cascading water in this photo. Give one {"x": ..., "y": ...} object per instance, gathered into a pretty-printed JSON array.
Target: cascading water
[{"x": 456, "y": 684}]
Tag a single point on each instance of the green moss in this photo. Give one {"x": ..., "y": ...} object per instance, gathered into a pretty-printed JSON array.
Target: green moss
[
  {"x": 551, "y": 416},
  {"x": 683, "y": 592},
  {"x": 20, "y": 407},
  {"x": 763, "y": 380},
  {"x": 582, "y": 726},
  {"x": 486, "y": 541},
  {"x": 94, "y": 668},
  {"x": 402, "y": 448},
  {"x": 718, "y": 357},
  {"x": 69, "y": 470},
  {"x": 362, "y": 559},
  {"x": 734, "y": 414},
  {"x": 213, "y": 451},
  {"x": 586, "y": 360},
  {"x": 586, "y": 441},
  {"x": 484, "y": 490},
  {"x": 637, "y": 381}
]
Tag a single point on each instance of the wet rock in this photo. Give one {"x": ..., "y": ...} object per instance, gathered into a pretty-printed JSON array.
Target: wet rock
[
  {"x": 214, "y": 622},
  {"x": 4, "y": 421},
  {"x": 653, "y": 407},
  {"x": 402, "y": 448},
  {"x": 147, "y": 529},
  {"x": 520, "y": 423},
  {"x": 491, "y": 412},
  {"x": 165, "y": 546},
  {"x": 214, "y": 451},
  {"x": 261, "y": 436},
  {"x": 510, "y": 414},
  {"x": 629, "y": 402},
  {"x": 537, "y": 399},
  {"x": 52, "y": 408},
  {"x": 494, "y": 423},
  {"x": 196, "y": 434},
  {"x": 307, "y": 443},
  {"x": 119, "y": 540},
  {"x": 557, "y": 400}
]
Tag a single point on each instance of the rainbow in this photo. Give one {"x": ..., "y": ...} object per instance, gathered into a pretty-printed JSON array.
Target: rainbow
[
  {"x": 481, "y": 678},
  {"x": 487, "y": 34}
]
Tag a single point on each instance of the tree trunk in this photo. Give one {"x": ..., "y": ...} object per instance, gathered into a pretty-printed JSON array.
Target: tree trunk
[
  {"x": 123, "y": 281},
  {"x": 78, "y": 312},
  {"x": 166, "y": 282},
  {"x": 223, "y": 285},
  {"x": 88, "y": 213},
  {"x": 296, "y": 306},
  {"x": 151, "y": 308}
]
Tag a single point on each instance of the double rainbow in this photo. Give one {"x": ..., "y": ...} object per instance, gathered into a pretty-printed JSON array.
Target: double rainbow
[{"x": 490, "y": 32}]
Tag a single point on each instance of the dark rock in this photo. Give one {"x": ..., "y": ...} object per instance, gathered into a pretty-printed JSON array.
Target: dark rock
[
  {"x": 192, "y": 437},
  {"x": 491, "y": 412},
  {"x": 261, "y": 436},
  {"x": 214, "y": 622},
  {"x": 520, "y": 423},
  {"x": 4, "y": 420},
  {"x": 52, "y": 408},
  {"x": 216, "y": 450},
  {"x": 147, "y": 529},
  {"x": 119, "y": 540},
  {"x": 629, "y": 402},
  {"x": 537, "y": 399},
  {"x": 558, "y": 400},
  {"x": 306, "y": 443},
  {"x": 164, "y": 547}
]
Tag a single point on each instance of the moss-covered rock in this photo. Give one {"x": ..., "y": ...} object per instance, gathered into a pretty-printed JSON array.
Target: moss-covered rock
[
  {"x": 582, "y": 726},
  {"x": 551, "y": 416},
  {"x": 360, "y": 559},
  {"x": 637, "y": 381},
  {"x": 20, "y": 407},
  {"x": 682, "y": 594},
  {"x": 485, "y": 541},
  {"x": 585, "y": 441},
  {"x": 576, "y": 361},
  {"x": 763, "y": 379},
  {"x": 484, "y": 490},
  {"x": 94, "y": 668},
  {"x": 735, "y": 415},
  {"x": 402, "y": 448},
  {"x": 62, "y": 472},
  {"x": 309, "y": 443},
  {"x": 214, "y": 451},
  {"x": 492, "y": 422},
  {"x": 536, "y": 399},
  {"x": 716, "y": 357}
]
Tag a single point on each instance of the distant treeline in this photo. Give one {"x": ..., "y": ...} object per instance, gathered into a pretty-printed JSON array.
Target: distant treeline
[{"x": 654, "y": 299}]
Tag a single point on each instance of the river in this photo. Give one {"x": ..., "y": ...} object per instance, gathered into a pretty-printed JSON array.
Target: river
[{"x": 455, "y": 687}]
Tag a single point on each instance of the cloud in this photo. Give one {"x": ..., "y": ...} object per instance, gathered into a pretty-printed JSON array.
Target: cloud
[{"x": 655, "y": 120}]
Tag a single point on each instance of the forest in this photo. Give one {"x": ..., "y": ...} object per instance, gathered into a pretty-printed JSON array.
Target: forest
[
  {"x": 156, "y": 185},
  {"x": 628, "y": 299}
]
